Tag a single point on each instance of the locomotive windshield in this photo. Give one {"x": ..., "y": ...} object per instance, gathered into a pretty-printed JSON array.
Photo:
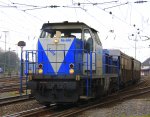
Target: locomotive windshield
[
  {"x": 97, "y": 38},
  {"x": 74, "y": 33}
]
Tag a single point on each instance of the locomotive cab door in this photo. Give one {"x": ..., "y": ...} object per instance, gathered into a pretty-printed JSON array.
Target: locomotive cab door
[
  {"x": 89, "y": 53},
  {"x": 93, "y": 50}
]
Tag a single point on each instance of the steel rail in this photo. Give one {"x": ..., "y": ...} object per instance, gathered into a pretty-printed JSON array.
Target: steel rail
[
  {"x": 11, "y": 85},
  {"x": 12, "y": 100},
  {"x": 27, "y": 112},
  {"x": 31, "y": 112},
  {"x": 10, "y": 77},
  {"x": 10, "y": 89}
]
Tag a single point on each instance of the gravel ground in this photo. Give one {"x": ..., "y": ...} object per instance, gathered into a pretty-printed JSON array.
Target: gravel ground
[
  {"x": 137, "y": 107},
  {"x": 22, "y": 106}
]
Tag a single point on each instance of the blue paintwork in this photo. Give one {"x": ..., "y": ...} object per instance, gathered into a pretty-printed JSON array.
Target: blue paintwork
[
  {"x": 74, "y": 55},
  {"x": 111, "y": 64},
  {"x": 106, "y": 61},
  {"x": 42, "y": 58}
]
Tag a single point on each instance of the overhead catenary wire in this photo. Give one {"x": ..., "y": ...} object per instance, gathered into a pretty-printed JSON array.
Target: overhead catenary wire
[
  {"x": 33, "y": 16},
  {"x": 75, "y": 11},
  {"x": 56, "y": 6},
  {"x": 115, "y": 6},
  {"x": 129, "y": 24},
  {"x": 4, "y": 3},
  {"x": 95, "y": 18},
  {"x": 96, "y": 3},
  {"x": 140, "y": 1},
  {"x": 5, "y": 6},
  {"x": 34, "y": 7},
  {"x": 25, "y": 4},
  {"x": 42, "y": 7},
  {"x": 16, "y": 7},
  {"x": 141, "y": 15},
  {"x": 12, "y": 20},
  {"x": 63, "y": 6},
  {"x": 110, "y": 13}
]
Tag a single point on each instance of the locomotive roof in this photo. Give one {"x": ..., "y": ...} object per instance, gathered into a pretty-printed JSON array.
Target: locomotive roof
[{"x": 66, "y": 25}]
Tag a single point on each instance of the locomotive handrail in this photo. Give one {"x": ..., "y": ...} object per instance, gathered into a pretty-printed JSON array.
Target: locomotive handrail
[
  {"x": 28, "y": 57},
  {"x": 35, "y": 52}
]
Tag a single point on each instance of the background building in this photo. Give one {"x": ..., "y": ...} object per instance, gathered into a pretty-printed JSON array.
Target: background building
[{"x": 145, "y": 68}]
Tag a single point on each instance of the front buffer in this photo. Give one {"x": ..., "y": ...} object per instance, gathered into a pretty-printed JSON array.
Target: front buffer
[{"x": 55, "y": 90}]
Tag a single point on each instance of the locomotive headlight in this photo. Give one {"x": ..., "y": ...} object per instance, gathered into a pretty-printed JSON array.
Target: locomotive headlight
[
  {"x": 56, "y": 41},
  {"x": 71, "y": 71}
]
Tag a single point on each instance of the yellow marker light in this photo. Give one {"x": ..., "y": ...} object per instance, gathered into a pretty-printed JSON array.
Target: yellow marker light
[
  {"x": 71, "y": 71},
  {"x": 40, "y": 71}
]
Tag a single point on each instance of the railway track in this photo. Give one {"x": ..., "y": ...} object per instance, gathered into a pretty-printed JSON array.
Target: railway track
[
  {"x": 11, "y": 100},
  {"x": 11, "y": 88},
  {"x": 31, "y": 112},
  {"x": 8, "y": 81},
  {"x": 8, "y": 84},
  {"x": 51, "y": 112},
  {"x": 10, "y": 78}
]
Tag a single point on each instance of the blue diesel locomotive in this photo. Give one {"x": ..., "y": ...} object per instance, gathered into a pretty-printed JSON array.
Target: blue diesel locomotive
[{"x": 70, "y": 64}]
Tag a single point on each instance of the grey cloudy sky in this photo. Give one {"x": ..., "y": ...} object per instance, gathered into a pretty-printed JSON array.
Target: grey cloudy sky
[{"x": 116, "y": 21}]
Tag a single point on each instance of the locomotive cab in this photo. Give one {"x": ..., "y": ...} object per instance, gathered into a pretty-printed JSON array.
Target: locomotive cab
[{"x": 63, "y": 48}]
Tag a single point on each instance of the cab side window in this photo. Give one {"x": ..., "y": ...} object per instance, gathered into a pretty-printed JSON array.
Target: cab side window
[{"x": 88, "y": 41}]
